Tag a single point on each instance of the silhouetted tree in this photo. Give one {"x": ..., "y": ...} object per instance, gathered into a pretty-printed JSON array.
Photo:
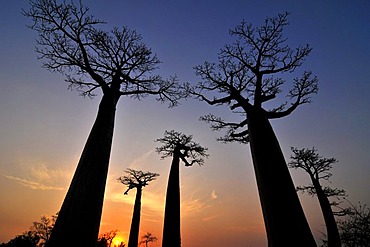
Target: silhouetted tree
[
  {"x": 318, "y": 168},
  {"x": 43, "y": 228},
  {"x": 180, "y": 147},
  {"x": 355, "y": 228},
  {"x": 38, "y": 234},
  {"x": 106, "y": 239},
  {"x": 248, "y": 75},
  {"x": 102, "y": 242},
  {"x": 119, "y": 64},
  {"x": 147, "y": 238},
  {"x": 27, "y": 239},
  {"x": 138, "y": 180}
]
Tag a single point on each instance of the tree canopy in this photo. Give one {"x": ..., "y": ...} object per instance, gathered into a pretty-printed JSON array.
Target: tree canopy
[
  {"x": 136, "y": 179},
  {"x": 190, "y": 152},
  {"x": 249, "y": 73},
  {"x": 71, "y": 41},
  {"x": 318, "y": 168}
]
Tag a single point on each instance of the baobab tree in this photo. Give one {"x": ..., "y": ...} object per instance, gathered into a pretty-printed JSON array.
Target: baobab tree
[
  {"x": 115, "y": 63},
  {"x": 355, "y": 227},
  {"x": 180, "y": 147},
  {"x": 317, "y": 168},
  {"x": 136, "y": 180},
  {"x": 147, "y": 238},
  {"x": 249, "y": 74}
]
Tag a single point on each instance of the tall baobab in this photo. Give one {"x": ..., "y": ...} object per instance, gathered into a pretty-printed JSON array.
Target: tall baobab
[
  {"x": 180, "y": 147},
  {"x": 317, "y": 168},
  {"x": 249, "y": 74},
  {"x": 115, "y": 63},
  {"x": 136, "y": 180}
]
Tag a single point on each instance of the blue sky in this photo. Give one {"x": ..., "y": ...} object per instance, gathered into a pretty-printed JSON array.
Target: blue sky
[{"x": 43, "y": 126}]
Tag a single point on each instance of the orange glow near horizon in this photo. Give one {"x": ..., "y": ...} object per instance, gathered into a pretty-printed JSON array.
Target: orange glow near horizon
[{"x": 118, "y": 240}]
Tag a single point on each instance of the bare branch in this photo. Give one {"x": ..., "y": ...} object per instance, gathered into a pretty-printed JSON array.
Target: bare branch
[
  {"x": 189, "y": 151},
  {"x": 71, "y": 42},
  {"x": 248, "y": 72},
  {"x": 136, "y": 179},
  {"x": 233, "y": 132},
  {"x": 318, "y": 169},
  {"x": 301, "y": 92}
]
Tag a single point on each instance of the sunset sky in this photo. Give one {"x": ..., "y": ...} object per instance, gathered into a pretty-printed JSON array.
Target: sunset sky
[{"x": 43, "y": 126}]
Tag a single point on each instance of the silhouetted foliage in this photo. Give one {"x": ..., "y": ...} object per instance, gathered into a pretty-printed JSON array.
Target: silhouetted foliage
[
  {"x": 355, "y": 227},
  {"x": 71, "y": 41},
  {"x": 318, "y": 168},
  {"x": 136, "y": 179},
  {"x": 147, "y": 238},
  {"x": 106, "y": 239},
  {"x": 43, "y": 228},
  {"x": 249, "y": 74},
  {"x": 190, "y": 152},
  {"x": 246, "y": 76},
  {"x": 38, "y": 234},
  {"x": 27, "y": 239},
  {"x": 180, "y": 147}
]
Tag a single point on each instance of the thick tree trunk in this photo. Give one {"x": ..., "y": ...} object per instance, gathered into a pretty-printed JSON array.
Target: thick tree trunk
[
  {"x": 285, "y": 222},
  {"x": 79, "y": 217},
  {"x": 135, "y": 222},
  {"x": 171, "y": 228},
  {"x": 331, "y": 225}
]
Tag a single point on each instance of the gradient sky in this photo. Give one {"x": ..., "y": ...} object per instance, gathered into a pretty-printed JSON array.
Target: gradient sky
[{"x": 43, "y": 126}]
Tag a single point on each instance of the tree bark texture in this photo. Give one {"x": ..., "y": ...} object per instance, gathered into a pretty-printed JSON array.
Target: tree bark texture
[
  {"x": 79, "y": 217},
  {"x": 285, "y": 222},
  {"x": 171, "y": 228},
  {"x": 135, "y": 222},
  {"x": 331, "y": 225}
]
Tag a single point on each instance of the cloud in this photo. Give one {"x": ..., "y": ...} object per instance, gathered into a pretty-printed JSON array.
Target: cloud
[
  {"x": 38, "y": 176},
  {"x": 33, "y": 185},
  {"x": 251, "y": 228},
  {"x": 208, "y": 218},
  {"x": 140, "y": 162},
  {"x": 195, "y": 205},
  {"x": 41, "y": 172},
  {"x": 213, "y": 194}
]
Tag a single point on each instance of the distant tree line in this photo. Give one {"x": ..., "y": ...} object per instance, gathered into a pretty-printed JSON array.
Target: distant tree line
[
  {"x": 353, "y": 226},
  {"x": 39, "y": 233}
]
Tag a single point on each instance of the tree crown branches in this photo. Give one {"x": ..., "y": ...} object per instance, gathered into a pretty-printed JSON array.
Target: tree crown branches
[
  {"x": 136, "y": 179},
  {"x": 71, "y": 42},
  {"x": 317, "y": 168},
  {"x": 355, "y": 228},
  {"x": 248, "y": 74},
  {"x": 189, "y": 152},
  {"x": 310, "y": 161}
]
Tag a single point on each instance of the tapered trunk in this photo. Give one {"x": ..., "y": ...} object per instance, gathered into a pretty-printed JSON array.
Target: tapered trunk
[
  {"x": 331, "y": 225},
  {"x": 135, "y": 222},
  {"x": 171, "y": 228},
  {"x": 79, "y": 217},
  {"x": 285, "y": 222}
]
